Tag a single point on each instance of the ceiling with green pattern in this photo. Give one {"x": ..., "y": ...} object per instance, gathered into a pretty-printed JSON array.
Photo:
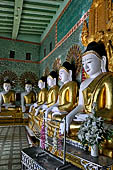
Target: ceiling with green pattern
[{"x": 26, "y": 19}]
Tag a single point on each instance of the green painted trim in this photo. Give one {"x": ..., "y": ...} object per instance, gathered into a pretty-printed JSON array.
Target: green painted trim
[
  {"x": 39, "y": 10},
  {"x": 37, "y": 15},
  {"x": 41, "y": 21},
  {"x": 44, "y": 3},
  {"x": 34, "y": 24},
  {"x": 17, "y": 18}
]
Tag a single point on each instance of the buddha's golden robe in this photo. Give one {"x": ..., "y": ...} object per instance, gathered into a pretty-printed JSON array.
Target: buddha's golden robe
[
  {"x": 30, "y": 98},
  {"x": 52, "y": 96},
  {"x": 68, "y": 96},
  {"x": 67, "y": 101},
  {"x": 41, "y": 99},
  {"x": 100, "y": 91},
  {"x": 42, "y": 96},
  {"x": 8, "y": 97}
]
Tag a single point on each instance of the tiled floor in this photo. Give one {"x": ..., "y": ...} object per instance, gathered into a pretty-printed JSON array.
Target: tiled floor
[{"x": 12, "y": 140}]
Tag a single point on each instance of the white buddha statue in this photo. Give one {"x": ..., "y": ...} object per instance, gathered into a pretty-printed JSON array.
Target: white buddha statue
[
  {"x": 67, "y": 98},
  {"x": 28, "y": 97},
  {"x": 41, "y": 97},
  {"x": 66, "y": 101},
  {"x": 7, "y": 96},
  {"x": 52, "y": 96},
  {"x": 98, "y": 88}
]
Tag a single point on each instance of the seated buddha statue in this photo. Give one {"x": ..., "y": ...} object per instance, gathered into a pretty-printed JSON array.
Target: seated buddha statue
[
  {"x": 98, "y": 88},
  {"x": 52, "y": 95},
  {"x": 28, "y": 97},
  {"x": 41, "y": 97},
  {"x": 67, "y": 98},
  {"x": 7, "y": 97}
]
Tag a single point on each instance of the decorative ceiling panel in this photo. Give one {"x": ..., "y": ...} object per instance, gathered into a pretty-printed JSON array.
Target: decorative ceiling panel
[{"x": 27, "y": 17}]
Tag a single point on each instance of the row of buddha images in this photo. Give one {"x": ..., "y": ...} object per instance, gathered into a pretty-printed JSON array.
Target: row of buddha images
[{"x": 57, "y": 101}]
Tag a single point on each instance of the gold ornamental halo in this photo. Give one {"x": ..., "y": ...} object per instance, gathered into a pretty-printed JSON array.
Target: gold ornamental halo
[
  {"x": 74, "y": 56},
  {"x": 9, "y": 75},
  {"x": 57, "y": 64},
  {"x": 28, "y": 76},
  {"x": 46, "y": 71}
]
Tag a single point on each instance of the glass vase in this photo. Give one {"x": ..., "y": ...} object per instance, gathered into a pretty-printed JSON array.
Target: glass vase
[{"x": 94, "y": 150}]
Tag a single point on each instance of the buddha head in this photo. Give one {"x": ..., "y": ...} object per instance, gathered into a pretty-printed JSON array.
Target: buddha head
[
  {"x": 28, "y": 86},
  {"x": 94, "y": 58},
  {"x": 65, "y": 72},
  {"x": 52, "y": 79},
  {"x": 7, "y": 85},
  {"x": 42, "y": 83}
]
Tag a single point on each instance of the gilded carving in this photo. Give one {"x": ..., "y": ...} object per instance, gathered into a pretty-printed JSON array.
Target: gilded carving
[
  {"x": 28, "y": 76},
  {"x": 56, "y": 64},
  {"x": 46, "y": 71},
  {"x": 8, "y": 75},
  {"x": 85, "y": 33},
  {"x": 74, "y": 56},
  {"x": 100, "y": 27}
]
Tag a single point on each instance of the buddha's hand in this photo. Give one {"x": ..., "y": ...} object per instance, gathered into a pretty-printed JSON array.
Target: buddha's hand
[
  {"x": 30, "y": 109},
  {"x": 56, "y": 113},
  {"x": 37, "y": 111},
  {"x": 47, "y": 112},
  {"x": 44, "y": 107},
  {"x": 81, "y": 116},
  {"x": 55, "y": 109},
  {"x": 23, "y": 108},
  {"x": 35, "y": 104},
  {"x": 8, "y": 105}
]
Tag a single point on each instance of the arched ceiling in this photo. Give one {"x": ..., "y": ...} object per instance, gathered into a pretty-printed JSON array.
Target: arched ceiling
[{"x": 23, "y": 19}]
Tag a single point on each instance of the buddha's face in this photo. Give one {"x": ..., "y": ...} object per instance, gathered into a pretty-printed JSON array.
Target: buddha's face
[
  {"x": 40, "y": 84},
  {"x": 7, "y": 86},
  {"x": 91, "y": 64},
  {"x": 50, "y": 81},
  {"x": 28, "y": 87},
  {"x": 63, "y": 75}
]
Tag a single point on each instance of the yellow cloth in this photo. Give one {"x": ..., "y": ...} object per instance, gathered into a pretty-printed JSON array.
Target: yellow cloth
[
  {"x": 30, "y": 98},
  {"x": 52, "y": 95},
  {"x": 42, "y": 96},
  {"x": 100, "y": 91},
  {"x": 9, "y": 97},
  {"x": 68, "y": 96}
]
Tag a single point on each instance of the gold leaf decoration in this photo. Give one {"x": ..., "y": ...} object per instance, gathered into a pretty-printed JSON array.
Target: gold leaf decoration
[
  {"x": 9, "y": 75},
  {"x": 46, "y": 71},
  {"x": 74, "y": 57},
  {"x": 28, "y": 76},
  {"x": 56, "y": 64}
]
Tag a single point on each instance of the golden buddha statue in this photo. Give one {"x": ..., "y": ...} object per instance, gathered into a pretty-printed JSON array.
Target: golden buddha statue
[
  {"x": 7, "y": 97},
  {"x": 67, "y": 98},
  {"x": 41, "y": 96},
  {"x": 41, "y": 99},
  {"x": 52, "y": 96},
  {"x": 98, "y": 88},
  {"x": 28, "y": 97}
]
